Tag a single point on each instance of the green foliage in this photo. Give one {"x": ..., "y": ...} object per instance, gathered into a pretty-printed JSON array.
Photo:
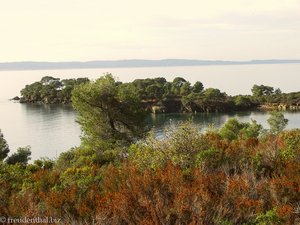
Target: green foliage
[
  {"x": 213, "y": 93},
  {"x": 44, "y": 163},
  {"x": 48, "y": 79},
  {"x": 251, "y": 130},
  {"x": 155, "y": 91},
  {"x": 209, "y": 100},
  {"x": 187, "y": 177},
  {"x": 82, "y": 177},
  {"x": 262, "y": 90},
  {"x": 83, "y": 155},
  {"x": 22, "y": 156},
  {"x": 179, "y": 146},
  {"x": 50, "y": 90},
  {"x": 213, "y": 99},
  {"x": 197, "y": 87},
  {"x": 232, "y": 176},
  {"x": 185, "y": 89},
  {"x": 109, "y": 113},
  {"x": 175, "y": 96},
  {"x": 291, "y": 140},
  {"x": 154, "y": 88},
  {"x": 231, "y": 129},
  {"x": 277, "y": 91},
  {"x": 277, "y": 122},
  {"x": 4, "y": 149},
  {"x": 12, "y": 176},
  {"x": 268, "y": 218},
  {"x": 243, "y": 102},
  {"x": 148, "y": 155},
  {"x": 189, "y": 102},
  {"x": 179, "y": 85},
  {"x": 207, "y": 155}
]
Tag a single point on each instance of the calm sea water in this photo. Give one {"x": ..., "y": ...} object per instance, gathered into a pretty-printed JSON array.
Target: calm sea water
[{"x": 50, "y": 130}]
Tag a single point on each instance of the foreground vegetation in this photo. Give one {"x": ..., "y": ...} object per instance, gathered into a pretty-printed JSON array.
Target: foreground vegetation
[
  {"x": 239, "y": 174},
  {"x": 122, "y": 174},
  {"x": 159, "y": 95}
]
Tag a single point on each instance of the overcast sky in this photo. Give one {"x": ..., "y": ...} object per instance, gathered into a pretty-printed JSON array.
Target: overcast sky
[{"x": 65, "y": 30}]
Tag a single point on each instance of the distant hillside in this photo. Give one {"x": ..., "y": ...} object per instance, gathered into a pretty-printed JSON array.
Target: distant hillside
[{"x": 28, "y": 65}]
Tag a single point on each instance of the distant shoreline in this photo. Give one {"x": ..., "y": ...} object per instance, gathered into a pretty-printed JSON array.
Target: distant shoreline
[{"x": 132, "y": 63}]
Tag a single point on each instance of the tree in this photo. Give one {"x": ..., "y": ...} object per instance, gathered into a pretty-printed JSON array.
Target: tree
[
  {"x": 4, "y": 149},
  {"x": 213, "y": 93},
  {"x": 277, "y": 91},
  {"x": 32, "y": 92},
  {"x": 185, "y": 89},
  {"x": 48, "y": 79},
  {"x": 277, "y": 122},
  {"x": 108, "y": 112},
  {"x": 251, "y": 130},
  {"x": 242, "y": 101},
  {"x": 198, "y": 87},
  {"x": 231, "y": 129},
  {"x": 177, "y": 83},
  {"x": 22, "y": 156},
  {"x": 262, "y": 90},
  {"x": 155, "y": 91}
]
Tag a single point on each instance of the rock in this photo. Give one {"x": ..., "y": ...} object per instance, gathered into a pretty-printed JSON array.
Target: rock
[{"x": 16, "y": 98}]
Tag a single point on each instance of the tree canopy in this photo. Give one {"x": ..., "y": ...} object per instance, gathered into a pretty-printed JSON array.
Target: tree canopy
[
  {"x": 50, "y": 90},
  {"x": 262, "y": 90},
  {"x": 277, "y": 122},
  {"x": 4, "y": 149},
  {"x": 108, "y": 111},
  {"x": 160, "y": 95},
  {"x": 22, "y": 156}
]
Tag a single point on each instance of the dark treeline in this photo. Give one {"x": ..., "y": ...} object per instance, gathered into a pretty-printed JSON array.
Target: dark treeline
[{"x": 159, "y": 95}]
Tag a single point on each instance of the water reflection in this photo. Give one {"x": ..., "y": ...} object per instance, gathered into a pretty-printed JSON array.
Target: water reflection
[
  {"x": 160, "y": 121},
  {"x": 204, "y": 120},
  {"x": 48, "y": 129},
  {"x": 51, "y": 129}
]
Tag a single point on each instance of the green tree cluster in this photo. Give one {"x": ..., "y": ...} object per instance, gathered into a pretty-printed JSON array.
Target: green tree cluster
[
  {"x": 4, "y": 149},
  {"x": 160, "y": 95},
  {"x": 50, "y": 90},
  {"x": 277, "y": 122},
  {"x": 22, "y": 156}
]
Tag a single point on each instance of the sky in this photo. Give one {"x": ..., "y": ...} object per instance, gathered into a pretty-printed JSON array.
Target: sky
[{"x": 83, "y": 30}]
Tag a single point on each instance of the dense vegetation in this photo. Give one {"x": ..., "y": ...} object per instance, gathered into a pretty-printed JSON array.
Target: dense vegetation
[
  {"x": 239, "y": 174},
  {"x": 155, "y": 95},
  {"x": 50, "y": 90},
  {"x": 159, "y": 95}
]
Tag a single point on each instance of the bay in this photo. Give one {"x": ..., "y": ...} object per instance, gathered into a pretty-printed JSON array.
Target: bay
[{"x": 51, "y": 129}]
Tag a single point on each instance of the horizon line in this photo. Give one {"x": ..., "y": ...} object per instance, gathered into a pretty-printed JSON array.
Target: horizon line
[{"x": 133, "y": 63}]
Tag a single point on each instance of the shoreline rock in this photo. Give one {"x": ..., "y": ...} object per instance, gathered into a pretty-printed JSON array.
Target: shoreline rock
[{"x": 16, "y": 98}]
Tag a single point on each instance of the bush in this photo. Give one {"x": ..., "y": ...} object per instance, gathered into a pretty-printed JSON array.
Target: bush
[{"x": 22, "y": 156}]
